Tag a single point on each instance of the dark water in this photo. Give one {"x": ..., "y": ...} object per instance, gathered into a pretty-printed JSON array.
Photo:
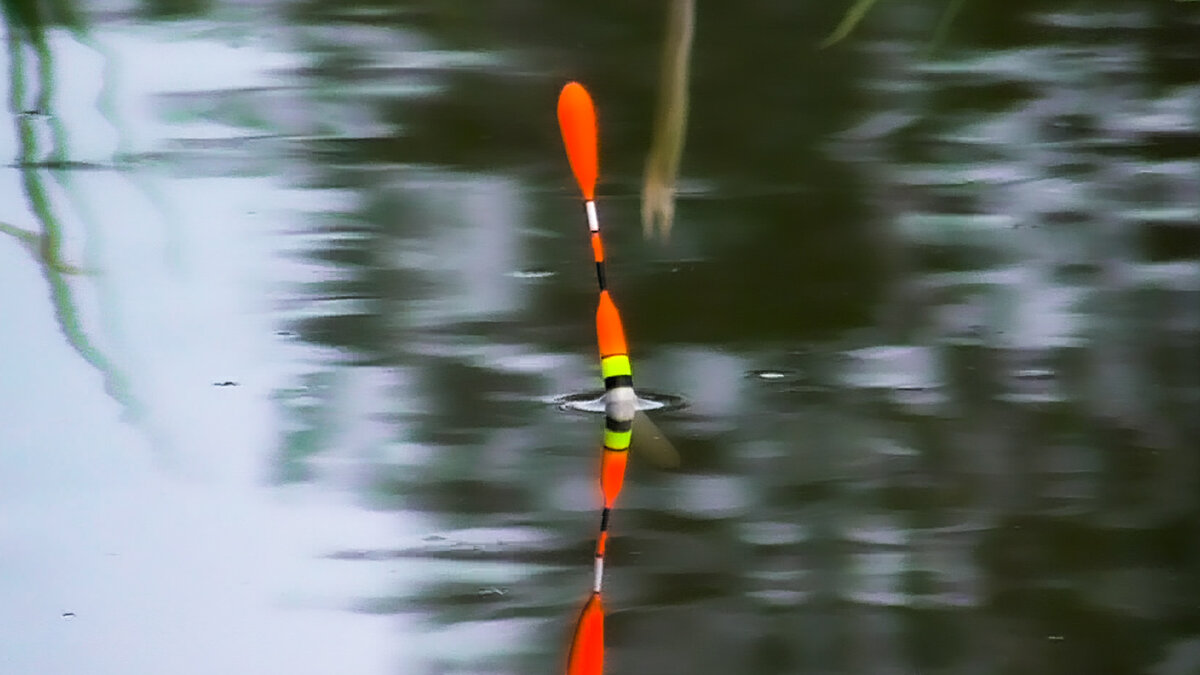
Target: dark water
[{"x": 287, "y": 291}]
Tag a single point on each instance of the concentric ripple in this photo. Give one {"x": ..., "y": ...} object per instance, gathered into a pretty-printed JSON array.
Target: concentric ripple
[{"x": 593, "y": 401}]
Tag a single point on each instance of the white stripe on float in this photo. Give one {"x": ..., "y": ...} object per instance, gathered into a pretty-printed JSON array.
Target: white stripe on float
[
  {"x": 593, "y": 221},
  {"x": 599, "y": 575}
]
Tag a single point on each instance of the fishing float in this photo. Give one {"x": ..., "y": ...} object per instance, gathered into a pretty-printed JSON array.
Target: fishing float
[{"x": 577, "y": 121}]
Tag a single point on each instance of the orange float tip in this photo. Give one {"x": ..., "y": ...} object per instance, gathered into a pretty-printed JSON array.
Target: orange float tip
[
  {"x": 587, "y": 645},
  {"x": 609, "y": 331},
  {"x": 612, "y": 475},
  {"x": 577, "y": 121}
]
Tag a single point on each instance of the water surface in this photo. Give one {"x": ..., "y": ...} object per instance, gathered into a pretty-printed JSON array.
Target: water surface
[{"x": 290, "y": 291}]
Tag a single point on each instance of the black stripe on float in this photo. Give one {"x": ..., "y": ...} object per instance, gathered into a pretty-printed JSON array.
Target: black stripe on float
[
  {"x": 600, "y": 275},
  {"x": 617, "y": 425},
  {"x": 615, "y": 381},
  {"x": 604, "y": 520}
]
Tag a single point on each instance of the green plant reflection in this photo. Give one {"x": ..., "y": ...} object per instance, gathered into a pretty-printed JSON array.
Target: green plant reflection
[{"x": 32, "y": 110}]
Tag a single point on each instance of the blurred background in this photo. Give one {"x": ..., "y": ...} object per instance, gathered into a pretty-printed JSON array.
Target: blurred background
[{"x": 289, "y": 290}]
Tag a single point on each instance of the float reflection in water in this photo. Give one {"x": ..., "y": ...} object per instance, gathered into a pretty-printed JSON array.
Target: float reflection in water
[{"x": 587, "y": 646}]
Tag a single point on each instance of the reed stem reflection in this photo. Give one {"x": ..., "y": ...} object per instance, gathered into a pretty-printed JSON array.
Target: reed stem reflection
[{"x": 670, "y": 122}]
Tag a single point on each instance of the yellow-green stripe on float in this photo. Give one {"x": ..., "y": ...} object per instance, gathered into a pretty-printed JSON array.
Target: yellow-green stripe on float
[
  {"x": 612, "y": 366},
  {"x": 617, "y": 440}
]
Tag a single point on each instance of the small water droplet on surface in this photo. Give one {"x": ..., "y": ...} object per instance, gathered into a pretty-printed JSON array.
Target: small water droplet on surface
[
  {"x": 531, "y": 274},
  {"x": 768, "y": 374}
]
